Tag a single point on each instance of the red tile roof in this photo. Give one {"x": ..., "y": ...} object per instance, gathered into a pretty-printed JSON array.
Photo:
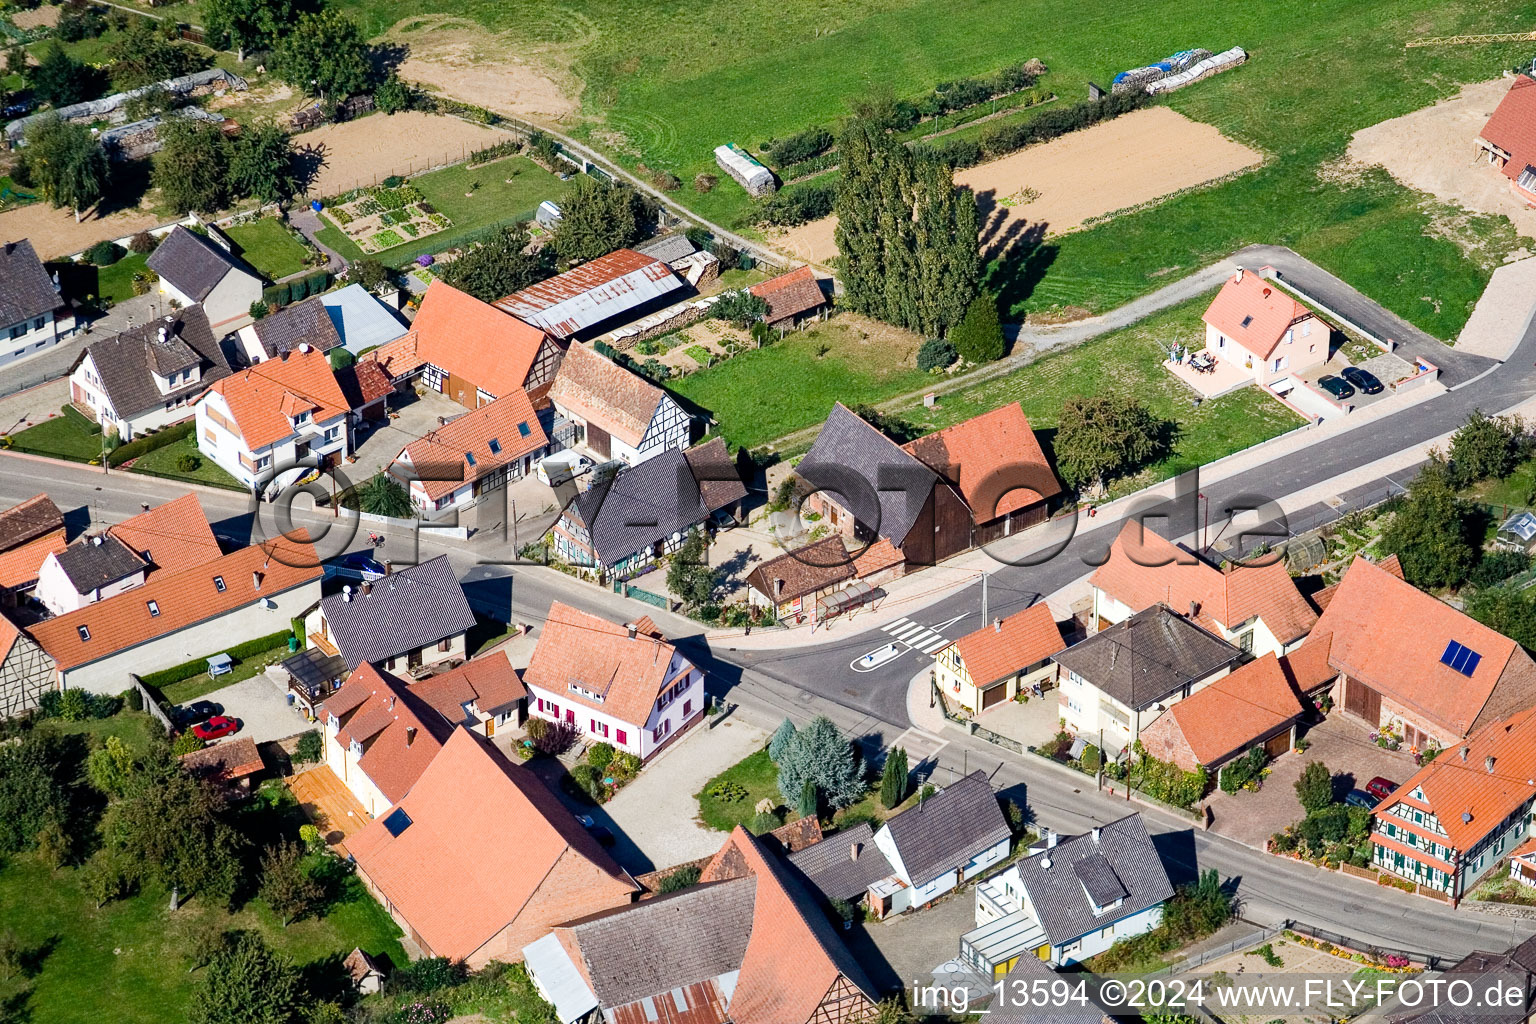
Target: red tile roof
[
  {"x": 1391, "y": 636},
  {"x": 1231, "y": 714},
  {"x": 1000, "y": 649},
  {"x": 226, "y": 760},
  {"x": 602, "y": 392},
  {"x": 184, "y": 598},
  {"x": 994, "y": 460},
  {"x": 400, "y": 732},
  {"x": 257, "y": 396},
  {"x": 882, "y": 554},
  {"x": 482, "y": 835},
  {"x": 600, "y": 656},
  {"x": 489, "y": 682},
  {"x": 509, "y": 421},
  {"x": 364, "y": 382},
  {"x": 790, "y": 294},
  {"x": 176, "y": 535},
  {"x": 1468, "y": 798},
  {"x": 396, "y": 358},
  {"x": 1254, "y": 312},
  {"x": 1307, "y": 666},
  {"x": 803, "y": 571},
  {"x": 1143, "y": 569},
  {"x": 1512, "y": 127},
  {"x": 486, "y": 346},
  {"x": 19, "y": 565}
]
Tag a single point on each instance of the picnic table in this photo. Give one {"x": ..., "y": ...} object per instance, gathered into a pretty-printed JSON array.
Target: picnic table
[{"x": 220, "y": 664}]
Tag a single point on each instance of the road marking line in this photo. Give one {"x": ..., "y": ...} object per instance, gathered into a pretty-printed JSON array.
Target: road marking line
[
  {"x": 899, "y": 623},
  {"x": 908, "y": 632},
  {"x": 935, "y": 645},
  {"x": 918, "y": 639}
]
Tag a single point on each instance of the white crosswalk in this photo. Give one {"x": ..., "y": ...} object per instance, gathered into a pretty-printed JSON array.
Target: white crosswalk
[{"x": 915, "y": 635}]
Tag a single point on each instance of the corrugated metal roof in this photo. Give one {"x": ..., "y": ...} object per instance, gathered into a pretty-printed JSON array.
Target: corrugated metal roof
[{"x": 592, "y": 293}]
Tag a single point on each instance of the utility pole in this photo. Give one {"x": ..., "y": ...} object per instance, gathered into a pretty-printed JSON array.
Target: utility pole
[{"x": 984, "y": 619}]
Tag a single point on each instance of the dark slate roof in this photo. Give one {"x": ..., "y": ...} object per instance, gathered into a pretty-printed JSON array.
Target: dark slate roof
[
  {"x": 193, "y": 264},
  {"x": 1148, "y": 656},
  {"x": 1513, "y": 965},
  {"x": 1020, "y": 979},
  {"x": 124, "y": 361},
  {"x": 832, "y": 869},
  {"x": 26, "y": 290},
  {"x": 415, "y": 606},
  {"x": 667, "y": 248},
  {"x": 1058, "y": 893},
  {"x": 667, "y": 942},
  {"x": 948, "y": 829},
  {"x": 1099, "y": 880},
  {"x": 90, "y": 565},
  {"x": 303, "y": 322},
  {"x": 851, "y": 460},
  {"x": 641, "y": 505},
  {"x": 28, "y": 521}
]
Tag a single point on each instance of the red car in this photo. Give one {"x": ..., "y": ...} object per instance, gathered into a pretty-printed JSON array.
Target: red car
[
  {"x": 1378, "y": 787},
  {"x": 217, "y": 726}
]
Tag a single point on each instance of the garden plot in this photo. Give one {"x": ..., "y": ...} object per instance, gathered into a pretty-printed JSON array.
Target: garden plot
[
  {"x": 1285, "y": 957},
  {"x": 382, "y": 218}
]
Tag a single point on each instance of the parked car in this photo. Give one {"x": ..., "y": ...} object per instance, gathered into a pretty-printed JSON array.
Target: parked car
[
  {"x": 1360, "y": 798},
  {"x": 1365, "y": 380},
  {"x": 1335, "y": 386},
  {"x": 363, "y": 562},
  {"x": 601, "y": 834},
  {"x": 197, "y": 711},
  {"x": 1381, "y": 788},
  {"x": 217, "y": 726}
]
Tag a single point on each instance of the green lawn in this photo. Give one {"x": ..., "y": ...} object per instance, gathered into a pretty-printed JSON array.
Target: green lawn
[
  {"x": 1127, "y": 360},
  {"x": 135, "y": 728},
  {"x": 475, "y": 198},
  {"x": 758, "y": 775},
  {"x": 162, "y": 462},
  {"x": 765, "y": 393},
  {"x": 127, "y": 962},
  {"x": 1514, "y": 490},
  {"x": 268, "y": 246},
  {"x": 61, "y": 438},
  {"x": 116, "y": 282}
]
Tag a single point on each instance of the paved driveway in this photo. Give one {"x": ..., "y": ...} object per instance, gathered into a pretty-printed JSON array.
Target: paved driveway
[
  {"x": 1341, "y": 743},
  {"x": 261, "y": 707}
]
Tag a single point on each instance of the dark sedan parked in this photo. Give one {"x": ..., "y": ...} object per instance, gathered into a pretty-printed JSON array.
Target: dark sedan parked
[
  {"x": 1365, "y": 380},
  {"x": 1336, "y": 387}
]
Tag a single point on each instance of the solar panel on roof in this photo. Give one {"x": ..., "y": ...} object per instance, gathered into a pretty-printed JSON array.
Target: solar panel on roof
[
  {"x": 397, "y": 821},
  {"x": 1461, "y": 658}
]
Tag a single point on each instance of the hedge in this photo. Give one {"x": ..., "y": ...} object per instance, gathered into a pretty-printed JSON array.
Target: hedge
[
  {"x": 80, "y": 419},
  {"x": 800, "y": 204},
  {"x": 152, "y": 442},
  {"x": 1002, "y": 139},
  {"x": 239, "y": 652}
]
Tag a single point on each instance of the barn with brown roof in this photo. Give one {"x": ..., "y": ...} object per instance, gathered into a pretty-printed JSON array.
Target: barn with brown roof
[
  {"x": 1254, "y": 706},
  {"x": 478, "y": 859},
  {"x": 791, "y": 297},
  {"x": 619, "y": 414}
]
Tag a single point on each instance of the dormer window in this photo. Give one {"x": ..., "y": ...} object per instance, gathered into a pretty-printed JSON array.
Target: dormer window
[{"x": 301, "y": 417}]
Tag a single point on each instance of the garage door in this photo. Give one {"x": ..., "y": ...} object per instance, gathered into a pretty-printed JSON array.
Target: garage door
[
  {"x": 597, "y": 440},
  {"x": 1277, "y": 745},
  {"x": 1361, "y": 700},
  {"x": 994, "y": 695}
]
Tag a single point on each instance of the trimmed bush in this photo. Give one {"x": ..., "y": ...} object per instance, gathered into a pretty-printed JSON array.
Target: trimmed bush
[
  {"x": 935, "y": 354},
  {"x": 105, "y": 253},
  {"x": 80, "y": 419},
  {"x": 143, "y": 242},
  {"x": 152, "y": 442},
  {"x": 188, "y": 463}
]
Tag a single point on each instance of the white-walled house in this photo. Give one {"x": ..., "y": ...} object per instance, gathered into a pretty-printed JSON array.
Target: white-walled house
[
  {"x": 379, "y": 737},
  {"x": 1253, "y": 325},
  {"x": 1070, "y": 899},
  {"x": 1000, "y": 660},
  {"x": 180, "y": 616},
  {"x": 942, "y": 842},
  {"x": 32, "y": 315},
  {"x": 411, "y": 619},
  {"x": 195, "y": 270},
  {"x": 149, "y": 376},
  {"x": 268, "y": 417},
  {"x": 1120, "y": 680},
  {"x": 472, "y": 455},
  {"x": 621, "y": 414},
  {"x": 1257, "y": 608},
  {"x": 619, "y": 684}
]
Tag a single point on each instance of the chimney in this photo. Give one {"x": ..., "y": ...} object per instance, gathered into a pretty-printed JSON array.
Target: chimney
[
  {"x": 1238, "y": 277},
  {"x": 1194, "y": 608},
  {"x": 997, "y": 625},
  {"x": 630, "y": 626},
  {"x": 367, "y": 588},
  {"x": 10, "y": 247},
  {"x": 1050, "y": 839},
  {"x": 1096, "y": 831},
  {"x": 410, "y": 734},
  {"x": 1464, "y": 752},
  {"x": 442, "y": 421},
  {"x": 853, "y": 850},
  {"x": 1488, "y": 763},
  {"x": 389, "y": 567},
  {"x": 256, "y": 578}
]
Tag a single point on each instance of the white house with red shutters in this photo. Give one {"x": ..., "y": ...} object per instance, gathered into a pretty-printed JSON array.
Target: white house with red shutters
[{"x": 619, "y": 684}]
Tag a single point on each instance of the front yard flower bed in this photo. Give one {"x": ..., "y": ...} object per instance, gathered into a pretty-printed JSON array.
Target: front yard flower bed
[{"x": 385, "y": 216}]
